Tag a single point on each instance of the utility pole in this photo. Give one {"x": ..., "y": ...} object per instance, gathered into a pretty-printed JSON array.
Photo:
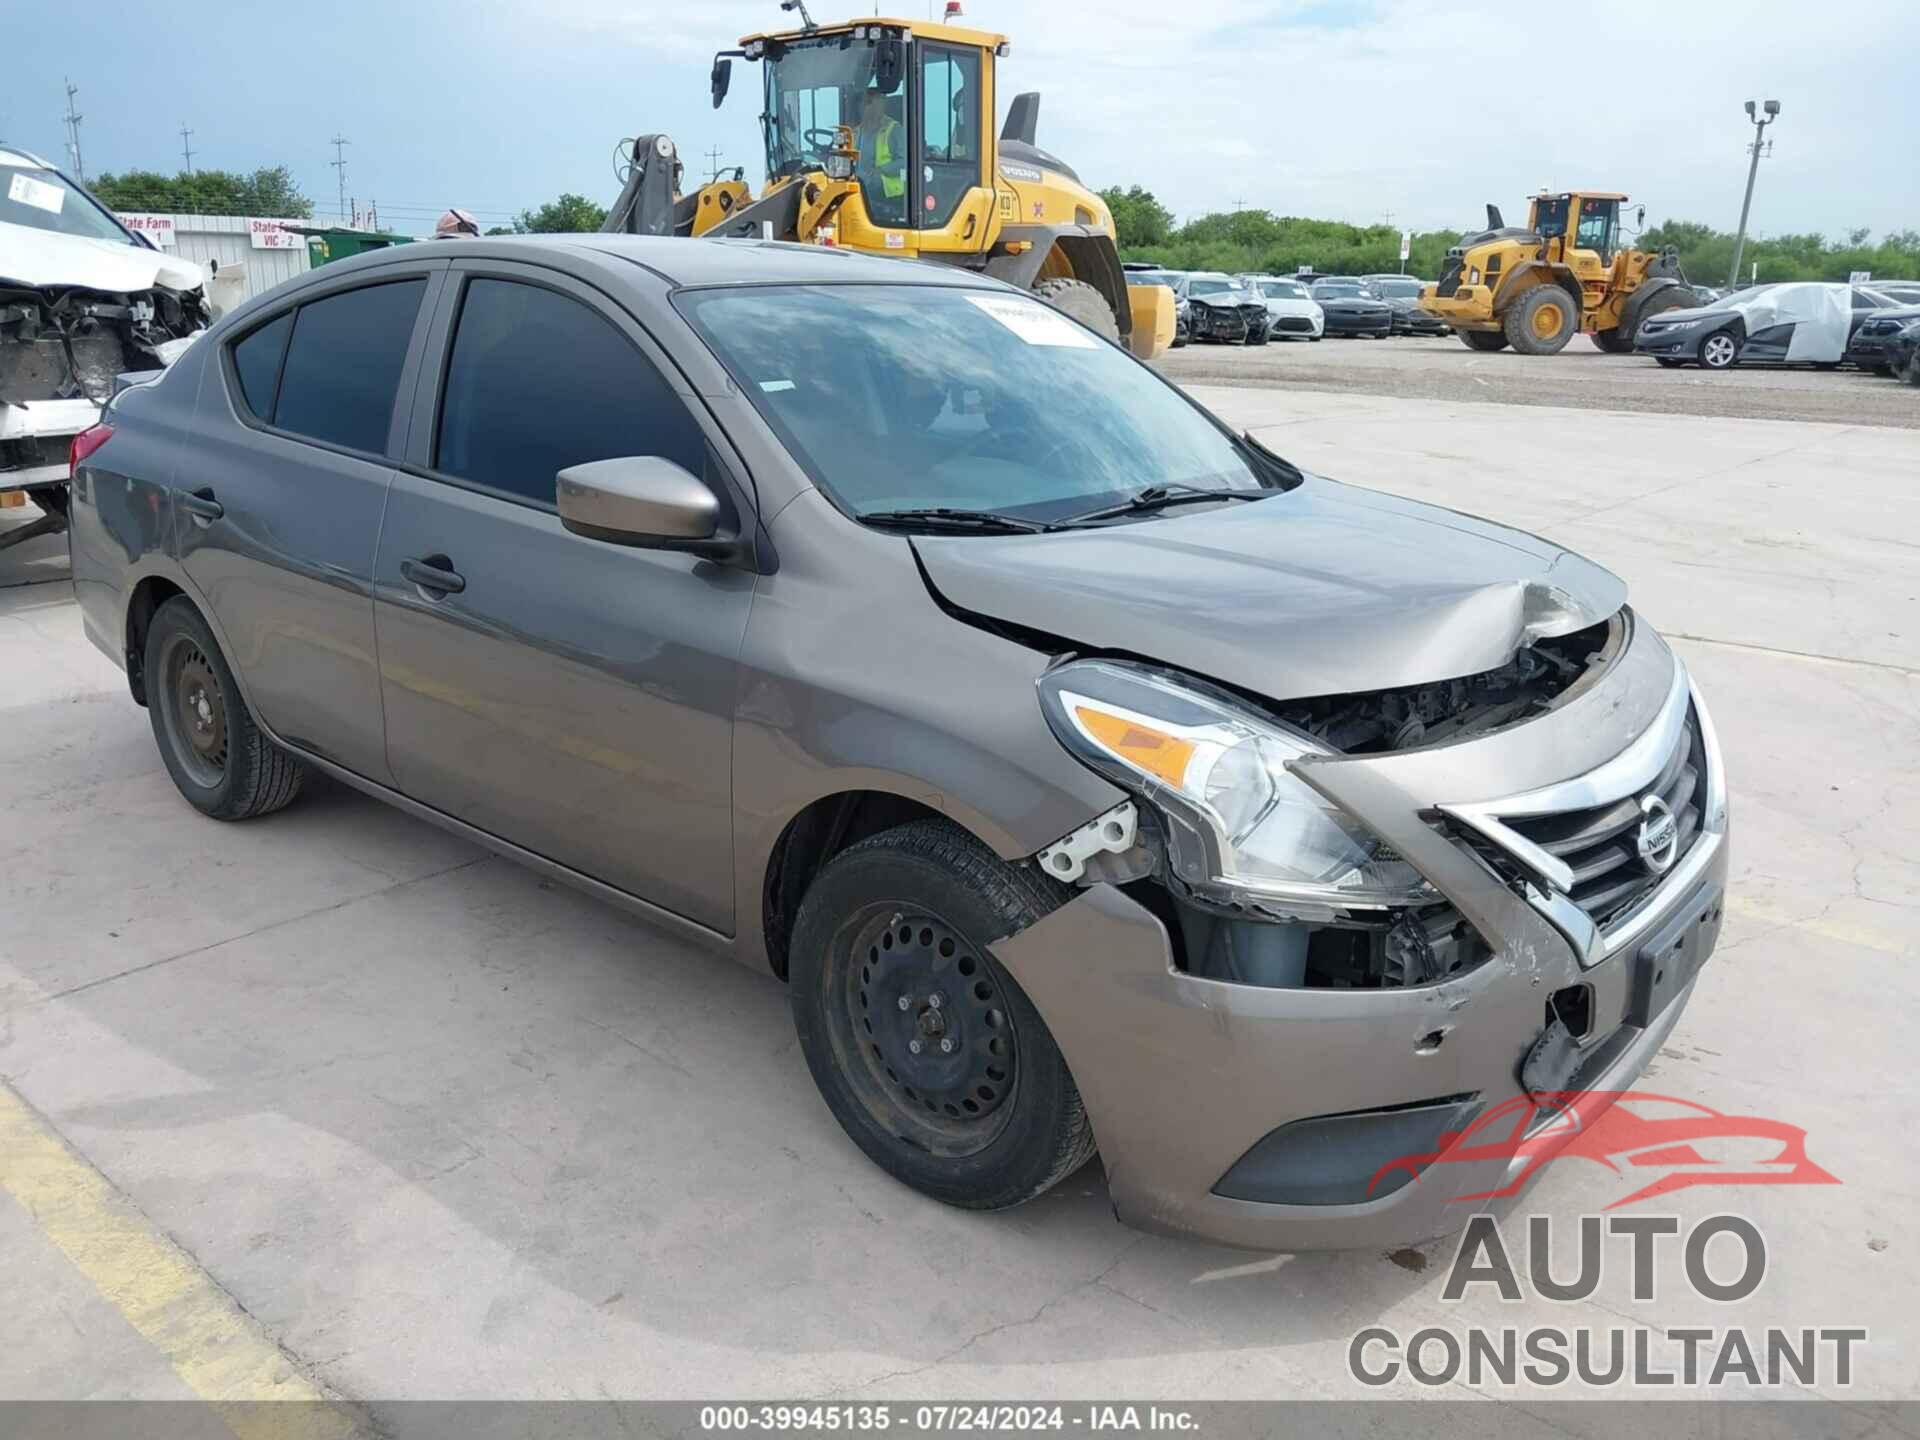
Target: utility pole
[
  {"x": 339, "y": 163},
  {"x": 73, "y": 119},
  {"x": 186, "y": 146},
  {"x": 713, "y": 164},
  {"x": 1771, "y": 112}
]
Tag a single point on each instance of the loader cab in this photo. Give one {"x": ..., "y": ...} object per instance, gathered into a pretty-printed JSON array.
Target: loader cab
[
  {"x": 1573, "y": 221},
  {"x": 917, "y": 99}
]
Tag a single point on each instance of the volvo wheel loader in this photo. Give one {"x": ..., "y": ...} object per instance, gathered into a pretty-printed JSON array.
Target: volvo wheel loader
[
  {"x": 1532, "y": 287},
  {"x": 879, "y": 137}
]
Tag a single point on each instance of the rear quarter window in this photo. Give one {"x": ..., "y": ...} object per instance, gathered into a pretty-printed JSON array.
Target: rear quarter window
[{"x": 256, "y": 365}]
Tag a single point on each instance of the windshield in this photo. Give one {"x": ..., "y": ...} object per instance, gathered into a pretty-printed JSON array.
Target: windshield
[
  {"x": 1282, "y": 290},
  {"x": 814, "y": 86},
  {"x": 1148, "y": 277},
  {"x": 42, "y": 199},
  {"x": 1209, "y": 287},
  {"x": 1337, "y": 290},
  {"x": 1397, "y": 289},
  {"x": 900, "y": 397}
]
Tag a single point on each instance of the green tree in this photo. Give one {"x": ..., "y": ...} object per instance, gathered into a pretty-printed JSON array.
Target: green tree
[
  {"x": 569, "y": 215},
  {"x": 268, "y": 191},
  {"x": 1138, "y": 218}
]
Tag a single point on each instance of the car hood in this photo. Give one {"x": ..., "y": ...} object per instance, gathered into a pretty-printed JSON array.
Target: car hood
[
  {"x": 1224, "y": 302},
  {"x": 42, "y": 259},
  {"x": 1687, "y": 314},
  {"x": 1322, "y": 590},
  {"x": 1352, "y": 302},
  {"x": 1280, "y": 305}
]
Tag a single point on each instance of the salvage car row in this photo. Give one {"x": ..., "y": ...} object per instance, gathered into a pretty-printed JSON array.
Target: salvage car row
[
  {"x": 1814, "y": 323},
  {"x": 1251, "y": 309}
]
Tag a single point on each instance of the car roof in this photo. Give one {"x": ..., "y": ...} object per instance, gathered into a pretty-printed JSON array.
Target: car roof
[
  {"x": 682, "y": 262},
  {"x": 722, "y": 262},
  {"x": 21, "y": 159}
]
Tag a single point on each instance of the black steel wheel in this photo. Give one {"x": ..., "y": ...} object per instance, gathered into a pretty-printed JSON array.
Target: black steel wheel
[
  {"x": 220, "y": 760},
  {"x": 932, "y": 1059},
  {"x": 926, "y": 1019},
  {"x": 196, "y": 718}
]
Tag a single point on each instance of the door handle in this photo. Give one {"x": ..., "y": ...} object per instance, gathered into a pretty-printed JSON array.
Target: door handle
[
  {"x": 201, "y": 505},
  {"x": 434, "y": 573}
]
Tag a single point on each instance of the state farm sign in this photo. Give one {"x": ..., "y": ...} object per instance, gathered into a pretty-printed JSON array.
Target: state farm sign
[
  {"x": 273, "y": 235},
  {"x": 157, "y": 228}
]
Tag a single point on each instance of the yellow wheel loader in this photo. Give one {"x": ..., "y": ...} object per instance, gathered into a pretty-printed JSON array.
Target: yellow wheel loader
[
  {"x": 879, "y": 137},
  {"x": 1532, "y": 287}
]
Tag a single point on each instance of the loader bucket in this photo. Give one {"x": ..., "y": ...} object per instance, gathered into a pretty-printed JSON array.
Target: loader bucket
[{"x": 1152, "y": 332}]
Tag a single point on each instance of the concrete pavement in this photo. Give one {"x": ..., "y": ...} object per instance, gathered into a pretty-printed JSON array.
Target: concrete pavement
[{"x": 442, "y": 1129}]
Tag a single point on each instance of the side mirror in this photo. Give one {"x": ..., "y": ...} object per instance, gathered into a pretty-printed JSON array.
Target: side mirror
[
  {"x": 889, "y": 64},
  {"x": 645, "y": 501},
  {"x": 722, "y": 77}
]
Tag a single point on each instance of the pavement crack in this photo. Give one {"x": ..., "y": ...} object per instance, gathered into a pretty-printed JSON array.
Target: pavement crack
[
  {"x": 1781, "y": 652},
  {"x": 267, "y": 928}
]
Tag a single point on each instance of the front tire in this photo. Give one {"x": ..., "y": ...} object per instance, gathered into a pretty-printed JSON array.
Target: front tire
[
  {"x": 932, "y": 1059},
  {"x": 1081, "y": 301},
  {"x": 1542, "y": 321},
  {"x": 219, "y": 759},
  {"x": 1720, "y": 350},
  {"x": 1483, "y": 340}
]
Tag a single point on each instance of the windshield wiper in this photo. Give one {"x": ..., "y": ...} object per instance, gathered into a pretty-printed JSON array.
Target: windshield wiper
[
  {"x": 1155, "y": 497},
  {"x": 945, "y": 518}
]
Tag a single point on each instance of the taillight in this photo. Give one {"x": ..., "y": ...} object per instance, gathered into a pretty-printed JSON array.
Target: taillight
[{"x": 85, "y": 443}]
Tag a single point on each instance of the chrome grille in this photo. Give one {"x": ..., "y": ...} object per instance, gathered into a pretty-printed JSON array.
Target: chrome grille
[{"x": 1599, "y": 844}]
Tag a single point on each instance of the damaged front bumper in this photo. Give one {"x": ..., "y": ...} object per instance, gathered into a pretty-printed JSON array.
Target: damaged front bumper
[{"x": 1273, "y": 1117}]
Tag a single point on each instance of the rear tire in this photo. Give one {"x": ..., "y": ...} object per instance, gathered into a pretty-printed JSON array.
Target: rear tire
[
  {"x": 907, "y": 915},
  {"x": 219, "y": 759},
  {"x": 1084, "y": 303},
  {"x": 1484, "y": 340},
  {"x": 1542, "y": 321}
]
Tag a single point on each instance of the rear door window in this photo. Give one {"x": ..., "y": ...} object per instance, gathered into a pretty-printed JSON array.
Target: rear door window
[
  {"x": 537, "y": 382},
  {"x": 343, "y": 365}
]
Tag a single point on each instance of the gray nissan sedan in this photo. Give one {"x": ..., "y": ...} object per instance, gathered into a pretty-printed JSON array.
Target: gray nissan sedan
[{"x": 1094, "y": 778}]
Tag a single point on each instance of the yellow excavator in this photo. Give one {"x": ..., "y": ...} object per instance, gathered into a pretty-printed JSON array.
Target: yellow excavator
[
  {"x": 1533, "y": 287},
  {"x": 879, "y": 137}
]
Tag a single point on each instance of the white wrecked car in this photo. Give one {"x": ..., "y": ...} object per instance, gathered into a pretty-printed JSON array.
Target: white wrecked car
[{"x": 82, "y": 299}]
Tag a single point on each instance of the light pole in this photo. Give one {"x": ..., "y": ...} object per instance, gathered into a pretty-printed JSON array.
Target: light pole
[{"x": 1760, "y": 122}]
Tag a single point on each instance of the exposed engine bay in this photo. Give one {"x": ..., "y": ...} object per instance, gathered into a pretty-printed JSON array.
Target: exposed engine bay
[
  {"x": 1224, "y": 936},
  {"x": 67, "y": 343}
]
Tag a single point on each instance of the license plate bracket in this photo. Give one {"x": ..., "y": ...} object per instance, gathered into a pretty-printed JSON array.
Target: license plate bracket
[{"x": 1667, "y": 963}]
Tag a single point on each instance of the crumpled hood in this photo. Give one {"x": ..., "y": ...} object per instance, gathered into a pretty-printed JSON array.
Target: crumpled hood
[
  {"x": 41, "y": 259},
  {"x": 1323, "y": 590}
]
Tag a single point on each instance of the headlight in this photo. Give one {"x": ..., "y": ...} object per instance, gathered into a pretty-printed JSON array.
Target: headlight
[{"x": 1217, "y": 773}]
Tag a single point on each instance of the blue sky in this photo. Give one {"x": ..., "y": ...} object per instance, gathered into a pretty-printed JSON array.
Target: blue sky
[{"x": 1321, "y": 107}]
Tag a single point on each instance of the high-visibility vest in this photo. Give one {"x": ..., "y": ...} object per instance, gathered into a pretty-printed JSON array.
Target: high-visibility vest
[{"x": 893, "y": 174}]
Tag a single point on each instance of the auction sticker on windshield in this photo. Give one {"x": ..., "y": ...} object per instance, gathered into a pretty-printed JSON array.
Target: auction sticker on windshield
[
  {"x": 38, "y": 193},
  {"x": 1034, "y": 322}
]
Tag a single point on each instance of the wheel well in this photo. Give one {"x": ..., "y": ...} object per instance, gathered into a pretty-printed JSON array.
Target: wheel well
[
  {"x": 148, "y": 596},
  {"x": 813, "y": 837}
]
